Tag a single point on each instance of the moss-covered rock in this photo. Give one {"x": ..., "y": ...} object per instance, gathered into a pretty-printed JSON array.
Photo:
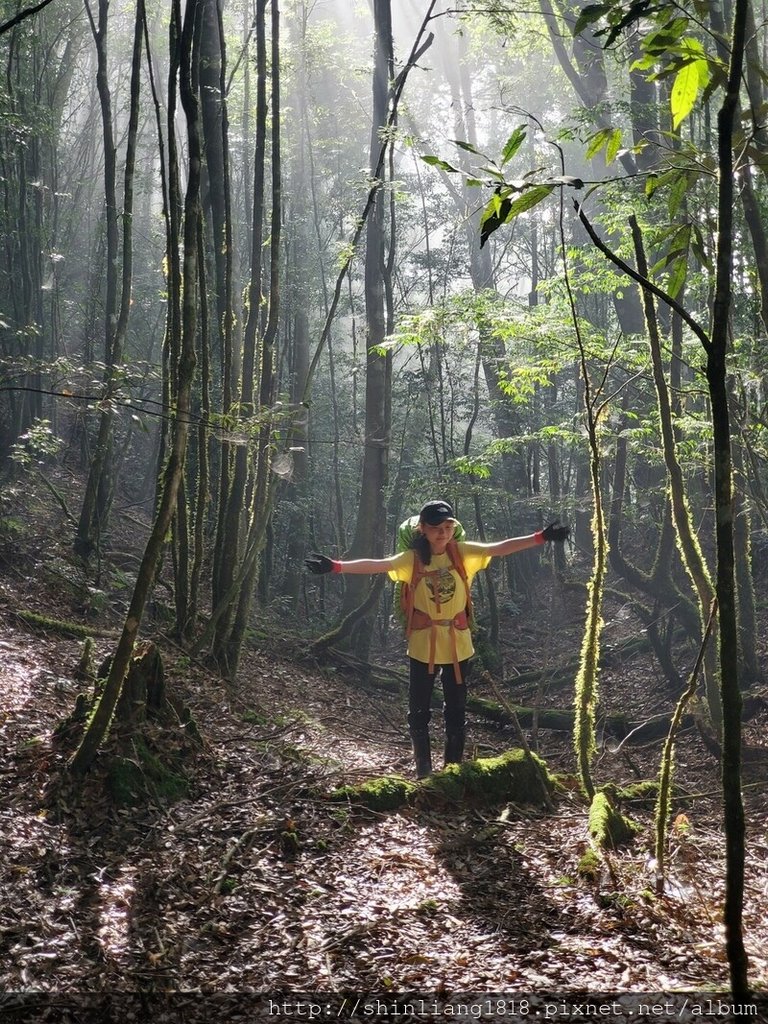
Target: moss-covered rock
[
  {"x": 384, "y": 794},
  {"x": 512, "y": 777},
  {"x": 607, "y": 826}
]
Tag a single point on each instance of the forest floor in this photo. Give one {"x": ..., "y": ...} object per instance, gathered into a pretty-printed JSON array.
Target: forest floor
[{"x": 256, "y": 882}]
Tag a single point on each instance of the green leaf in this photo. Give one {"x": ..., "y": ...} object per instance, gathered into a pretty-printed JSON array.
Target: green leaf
[
  {"x": 493, "y": 216},
  {"x": 688, "y": 82},
  {"x": 598, "y": 140},
  {"x": 636, "y": 11},
  {"x": 666, "y": 40},
  {"x": 643, "y": 63},
  {"x": 472, "y": 466},
  {"x": 608, "y": 139},
  {"x": 677, "y": 274},
  {"x": 513, "y": 143},
  {"x": 530, "y": 198},
  {"x": 656, "y": 181},
  {"x": 493, "y": 173},
  {"x": 683, "y": 95},
  {"x": 614, "y": 144},
  {"x": 503, "y": 210},
  {"x": 676, "y": 193},
  {"x": 692, "y": 49},
  {"x": 435, "y": 161},
  {"x": 699, "y": 249}
]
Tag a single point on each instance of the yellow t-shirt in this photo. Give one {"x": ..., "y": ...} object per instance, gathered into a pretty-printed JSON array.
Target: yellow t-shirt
[{"x": 452, "y": 600}]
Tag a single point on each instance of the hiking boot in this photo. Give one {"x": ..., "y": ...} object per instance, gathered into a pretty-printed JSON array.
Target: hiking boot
[
  {"x": 454, "y": 747},
  {"x": 422, "y": 753}
]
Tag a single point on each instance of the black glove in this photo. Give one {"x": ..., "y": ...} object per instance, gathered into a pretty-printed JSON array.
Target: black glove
[
  {"x": 319, "y": 564},
  {"x": 555, "y": 532}
]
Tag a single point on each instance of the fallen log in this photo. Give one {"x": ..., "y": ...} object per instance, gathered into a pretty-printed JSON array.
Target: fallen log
[
  {"x": 555, "y": 719},
  {"x": 617, "y": 726},
  {"x": 61, "y": 627}
]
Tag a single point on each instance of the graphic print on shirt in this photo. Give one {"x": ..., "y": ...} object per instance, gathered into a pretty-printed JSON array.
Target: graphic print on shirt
[{"x": 446, "y": 586}]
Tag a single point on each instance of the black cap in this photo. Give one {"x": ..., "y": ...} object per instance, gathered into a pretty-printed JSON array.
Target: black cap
[{"x": 436, "y": 512}]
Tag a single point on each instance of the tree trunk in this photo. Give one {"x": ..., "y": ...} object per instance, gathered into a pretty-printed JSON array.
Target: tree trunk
[
  {"x": 99, "y": 723},
  {"x": 690, "y": 550},
  {"x": 264, "y": 481},
  {"x": 203, "y": 460},
  {"x": 217, "y": 201},
  {"x": 92, "y": 522},
  {"x": 726, "y": 587},
  {"x": 742, "y": 520},
  {"x": 296, "y": 492},
  {"x": 370, "y": 530},
  {"x": 229, "y": 539}
]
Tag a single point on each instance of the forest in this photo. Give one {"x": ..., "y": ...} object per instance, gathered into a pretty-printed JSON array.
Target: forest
[{"x": 298, "y": 298}]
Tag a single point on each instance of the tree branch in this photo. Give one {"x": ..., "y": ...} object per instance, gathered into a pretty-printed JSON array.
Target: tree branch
[
  {"x": 22, "y": 16},
  {"x": 684, "y": 315}
]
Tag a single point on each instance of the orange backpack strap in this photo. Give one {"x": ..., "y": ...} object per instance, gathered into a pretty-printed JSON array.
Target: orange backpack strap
[
  {"x": 407, "y": 595},
  {"x": 458, "y": 563}
]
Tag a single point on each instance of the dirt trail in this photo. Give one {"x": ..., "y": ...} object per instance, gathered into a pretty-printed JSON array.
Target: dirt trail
[{"x": 257, "y": 882}]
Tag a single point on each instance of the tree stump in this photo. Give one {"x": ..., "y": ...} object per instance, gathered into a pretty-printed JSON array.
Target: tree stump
[{"x": 143, "y": 691}]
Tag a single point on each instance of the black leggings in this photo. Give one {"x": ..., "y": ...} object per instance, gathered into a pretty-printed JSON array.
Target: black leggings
[{"x": 421, "y": 685}]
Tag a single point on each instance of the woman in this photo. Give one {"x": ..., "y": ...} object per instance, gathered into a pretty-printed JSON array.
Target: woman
[{"x": 438, "y": 574}]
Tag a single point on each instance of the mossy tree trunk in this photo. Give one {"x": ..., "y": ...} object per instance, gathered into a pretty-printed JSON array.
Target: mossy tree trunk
[
  {"x": 663, "y": 803},
  {"x": 742, "y": 539},
  {"x": 715, "y": 345},
  {"x": 587, "y": 676},
  {"x": 690, "y": 551}
]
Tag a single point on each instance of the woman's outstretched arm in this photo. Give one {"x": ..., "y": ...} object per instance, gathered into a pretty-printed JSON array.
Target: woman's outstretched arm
[
  {"x": 554, "y": 532},
  {"x": 366, "y": 565},
  {"x": 512, "y": 544},
  {"x": 321, "y": 564}
]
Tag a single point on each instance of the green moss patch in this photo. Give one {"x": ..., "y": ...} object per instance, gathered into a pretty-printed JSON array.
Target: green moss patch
[
  {"x": 642, "y": 794},
  {"x": 384, "y": 794},
  {"x": 590, "y": 866},
  {"x": 59, "y": 626},
  {"x": 607, "y": 826},
  {"x": 512, "y": 777}
]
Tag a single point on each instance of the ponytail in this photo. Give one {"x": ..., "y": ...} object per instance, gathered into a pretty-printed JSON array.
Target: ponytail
[{"x": 420, "y": 544}]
